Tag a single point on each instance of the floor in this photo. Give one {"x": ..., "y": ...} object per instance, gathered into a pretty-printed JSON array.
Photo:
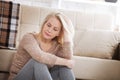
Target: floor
[{"x": 81, "y": 79}]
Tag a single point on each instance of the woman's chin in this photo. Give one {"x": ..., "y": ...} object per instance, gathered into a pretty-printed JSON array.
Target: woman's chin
[{"x": 46, "y": 37}]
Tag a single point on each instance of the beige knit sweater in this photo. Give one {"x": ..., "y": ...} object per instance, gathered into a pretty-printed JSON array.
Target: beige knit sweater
[{"x": 29, "y": 48}]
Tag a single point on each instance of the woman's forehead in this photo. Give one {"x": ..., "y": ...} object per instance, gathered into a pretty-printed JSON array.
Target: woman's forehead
[{"x": 54, "y": 21}]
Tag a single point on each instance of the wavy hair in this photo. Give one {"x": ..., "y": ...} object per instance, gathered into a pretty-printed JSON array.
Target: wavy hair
[{"x": 56, "y": 15}]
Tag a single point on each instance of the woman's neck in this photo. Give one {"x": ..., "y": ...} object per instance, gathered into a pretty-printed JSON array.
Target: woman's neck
[
  {"x": 45, "y": 44},
  {"x": 46, "y": 41}
]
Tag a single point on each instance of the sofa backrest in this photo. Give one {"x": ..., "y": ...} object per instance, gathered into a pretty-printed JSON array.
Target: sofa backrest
[
  {"x": 98, "y": 43},
  {"x": 31, "y": 18}
]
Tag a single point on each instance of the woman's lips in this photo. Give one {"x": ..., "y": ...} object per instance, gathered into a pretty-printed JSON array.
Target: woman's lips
[{"x": 47, "y": 34}]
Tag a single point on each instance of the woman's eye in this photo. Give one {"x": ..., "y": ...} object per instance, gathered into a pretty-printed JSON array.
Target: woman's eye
[
  {"x": 48, "y": 25},
  {"x": 55, "y": 29}
]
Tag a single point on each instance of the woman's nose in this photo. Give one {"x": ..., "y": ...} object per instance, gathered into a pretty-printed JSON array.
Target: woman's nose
[{"x": 50, "y": 30}]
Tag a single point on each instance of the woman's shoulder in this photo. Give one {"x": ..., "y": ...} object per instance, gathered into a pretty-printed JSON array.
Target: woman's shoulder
[{"x": 29, "y": 35}]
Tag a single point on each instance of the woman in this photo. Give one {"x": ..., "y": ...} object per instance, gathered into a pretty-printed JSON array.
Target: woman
[{"x": 46, "y": 55}]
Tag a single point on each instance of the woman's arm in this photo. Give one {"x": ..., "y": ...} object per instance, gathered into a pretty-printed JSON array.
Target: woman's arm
[
  {"x": 65, "y": 51},
  {"x": 32, "y": 47},
  {"x": 64, "y": 62}
]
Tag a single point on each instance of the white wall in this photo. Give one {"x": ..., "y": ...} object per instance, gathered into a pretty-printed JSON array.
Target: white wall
[{"x": 86, "y": 6}]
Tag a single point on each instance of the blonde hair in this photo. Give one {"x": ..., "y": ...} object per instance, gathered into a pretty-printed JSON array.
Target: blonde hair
[
  {"x": 66, "y": 24},
  {"x": 56, "y": 15}
]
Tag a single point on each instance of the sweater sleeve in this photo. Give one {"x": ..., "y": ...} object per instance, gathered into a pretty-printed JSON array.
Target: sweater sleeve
[
  {"x": 65, "y": 51},
  {"x": 32, "y": 47}
]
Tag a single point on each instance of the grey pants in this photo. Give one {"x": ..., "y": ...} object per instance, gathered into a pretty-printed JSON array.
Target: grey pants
[{"x": 34, "y": 70}]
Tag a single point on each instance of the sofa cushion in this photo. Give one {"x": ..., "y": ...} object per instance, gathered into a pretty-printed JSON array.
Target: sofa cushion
[
  {"x": 6, "y": 56},
  {"x": 100, "y": 44},
  {"x": 88, "y": 68}
]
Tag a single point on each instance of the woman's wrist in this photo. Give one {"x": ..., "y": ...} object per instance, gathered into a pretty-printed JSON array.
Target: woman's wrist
[
  {"x": 64, "y": 62},
  {"x": 61, "y": 61}
]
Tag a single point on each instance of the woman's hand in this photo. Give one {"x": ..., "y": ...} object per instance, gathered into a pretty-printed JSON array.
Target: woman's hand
[
  {"x": 67, "y": 37},
  {"x": 70, "y": 63},
  {"x": 67, "y": 28},
  {"x": 65, "y": 62}
]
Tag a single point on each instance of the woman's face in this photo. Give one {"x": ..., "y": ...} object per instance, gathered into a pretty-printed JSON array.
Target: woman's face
[{"x": 51, "y": 28}]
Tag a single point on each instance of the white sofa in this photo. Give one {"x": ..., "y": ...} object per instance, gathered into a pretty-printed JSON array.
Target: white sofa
[
  {"x": 97, "y": 47},
  {"x": 93, "y": 49}
]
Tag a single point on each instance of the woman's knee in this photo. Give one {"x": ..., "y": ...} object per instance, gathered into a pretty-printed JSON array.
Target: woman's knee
[
  {"x": 40, "y": 66},
  {"x": 66, "y": 72},
  {"x": 64, "y": 68},
  {"x": 41, "y": 71}
]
